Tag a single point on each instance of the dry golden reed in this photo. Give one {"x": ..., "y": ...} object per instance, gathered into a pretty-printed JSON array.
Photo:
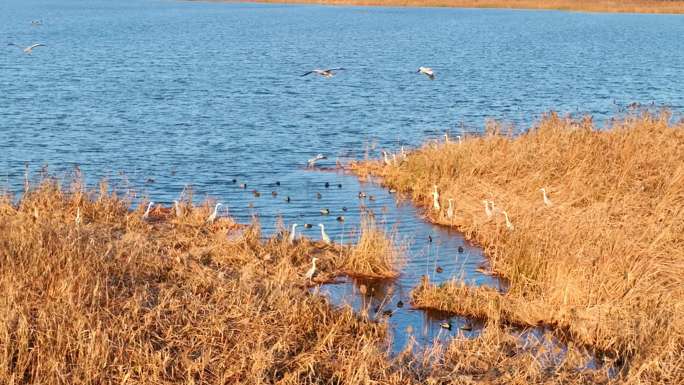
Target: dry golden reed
[
  {"x": 601, "y": 260},
  {"x": 95, "y": 294},
  {"x": 629, "y": 6},
  {"x": 376, "y": 254}
]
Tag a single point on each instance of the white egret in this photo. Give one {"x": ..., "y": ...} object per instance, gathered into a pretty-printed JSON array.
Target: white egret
[
  {"x": 547, "y": 201},
  {"x": 326, "y": 73},
  {"x": 435, "y": 198},
  {"x": 293, "y": 233},
  {"x": 446, "y": 138},
  {"x": 324, "y": 236},
  {"x": 312, "y": 271},
  {"x": 312, "y": 162},
  {"x": 385, "y": 157},
  {"x": 427, "y": 71},
  {"x": 147, "y": 211},
  {"x": 450, "y": 209},
  {"x": 28, "y": 50},
  {"x": 214, "y": 214},
  {"x": 488, "y": 210},
  {"x": 509, "y": 225},
  {"x": 179, "y": 211},
  {"x": 78, "y": 216}
]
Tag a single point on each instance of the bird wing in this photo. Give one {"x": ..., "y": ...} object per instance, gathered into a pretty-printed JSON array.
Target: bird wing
[
  {"x": 308, "y": 73},
  {"x": 335, "y": 69},
  {"x": 36, "y": 45},
  {"x": 14, "y": 45}
]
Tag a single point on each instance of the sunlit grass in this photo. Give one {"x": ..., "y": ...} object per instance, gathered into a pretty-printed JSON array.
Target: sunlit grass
[{"x": 603, "y": 260}]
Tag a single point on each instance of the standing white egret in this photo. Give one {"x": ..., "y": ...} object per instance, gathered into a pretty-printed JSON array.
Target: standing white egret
[
  {"x": 460, "y": 140},
  {"x": 310, "y": 273},
  {"x": 446, "y": 138},
  {"x": 326, "y": 73},
  {"x": 450, "y": 210},
  {"x": 324, "y": 236},
  {"x": 28, "y": 50},
  {"x": 509, "y": 225},
  {"x": 385, "y": 158},
  {"x": 293, "y": 233},
  {"x": 488, "y": 210},
  {"x": 214, "y": 214},
  {"x": 427, "y": 71},
  {"x": 147, "y": 211},
  {"x": 435, "y": 198},
  {"x": 547, "y": 201},
  {"x": 78, "y": 216},
  {"x": 179, "y": 211}
]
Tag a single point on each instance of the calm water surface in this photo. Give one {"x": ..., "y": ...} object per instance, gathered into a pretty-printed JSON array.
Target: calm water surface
[{"x": 202, "y": 93}]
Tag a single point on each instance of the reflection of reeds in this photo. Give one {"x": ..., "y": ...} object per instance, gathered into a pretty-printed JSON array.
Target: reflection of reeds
[
  {"x": 375, "y": 255},
  {"x": 605, "y": 260},
  {"x": 630, "y": 6}
]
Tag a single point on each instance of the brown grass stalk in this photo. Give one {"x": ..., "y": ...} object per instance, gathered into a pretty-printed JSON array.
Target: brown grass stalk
[{"x": 605, "y": 259}]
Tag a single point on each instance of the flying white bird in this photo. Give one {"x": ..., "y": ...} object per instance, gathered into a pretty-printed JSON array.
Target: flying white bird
[
  {"x": 312, "y": 162},
  {"x": 427, "y": 71},
  {"x": 28, "y": 50},
  {"x": 326, "y": 73}
]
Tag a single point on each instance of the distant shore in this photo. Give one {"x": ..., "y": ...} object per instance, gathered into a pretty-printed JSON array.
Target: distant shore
[{"x": 644, "y": 6}]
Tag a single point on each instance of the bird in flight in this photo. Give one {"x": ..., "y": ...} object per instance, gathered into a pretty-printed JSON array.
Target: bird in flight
[
  {"x": 327, "y": 73},
  {"x": 28, "y": 50},
  {"x": 427, "y": 71}
]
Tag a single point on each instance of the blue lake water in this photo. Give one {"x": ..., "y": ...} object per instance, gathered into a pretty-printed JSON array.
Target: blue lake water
[{"x": 204, "y": 93}]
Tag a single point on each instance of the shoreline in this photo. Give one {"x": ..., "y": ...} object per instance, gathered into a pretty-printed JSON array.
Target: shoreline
[{"x": 601, "y": 6}]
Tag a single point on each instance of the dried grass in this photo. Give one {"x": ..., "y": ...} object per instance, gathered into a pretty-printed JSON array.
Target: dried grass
[{"x": 605, "y": 261}]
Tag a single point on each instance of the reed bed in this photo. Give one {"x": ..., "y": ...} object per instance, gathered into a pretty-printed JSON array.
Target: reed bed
[
  {"x": 95, "y": 294},
  {"x": 375, "y": 255},
  {"x": 92, "y": 294},
  {"x": 602, "y": 259},
  {"x": 630, "y": 6}
]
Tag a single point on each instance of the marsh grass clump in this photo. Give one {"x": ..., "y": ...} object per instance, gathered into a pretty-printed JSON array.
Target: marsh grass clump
[
  {"x": 375, "y": 255},
  {"x": 111, "y": 297},
  {"x": 601, "y": 259}
]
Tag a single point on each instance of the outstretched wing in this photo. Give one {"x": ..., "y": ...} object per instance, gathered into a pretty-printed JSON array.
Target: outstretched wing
[
  {"x": 335, "y": 69},
  {"x": 308, "y": 73},
  {"x": 14, "y": 45},
  {"x": 36, "y": 45}
]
